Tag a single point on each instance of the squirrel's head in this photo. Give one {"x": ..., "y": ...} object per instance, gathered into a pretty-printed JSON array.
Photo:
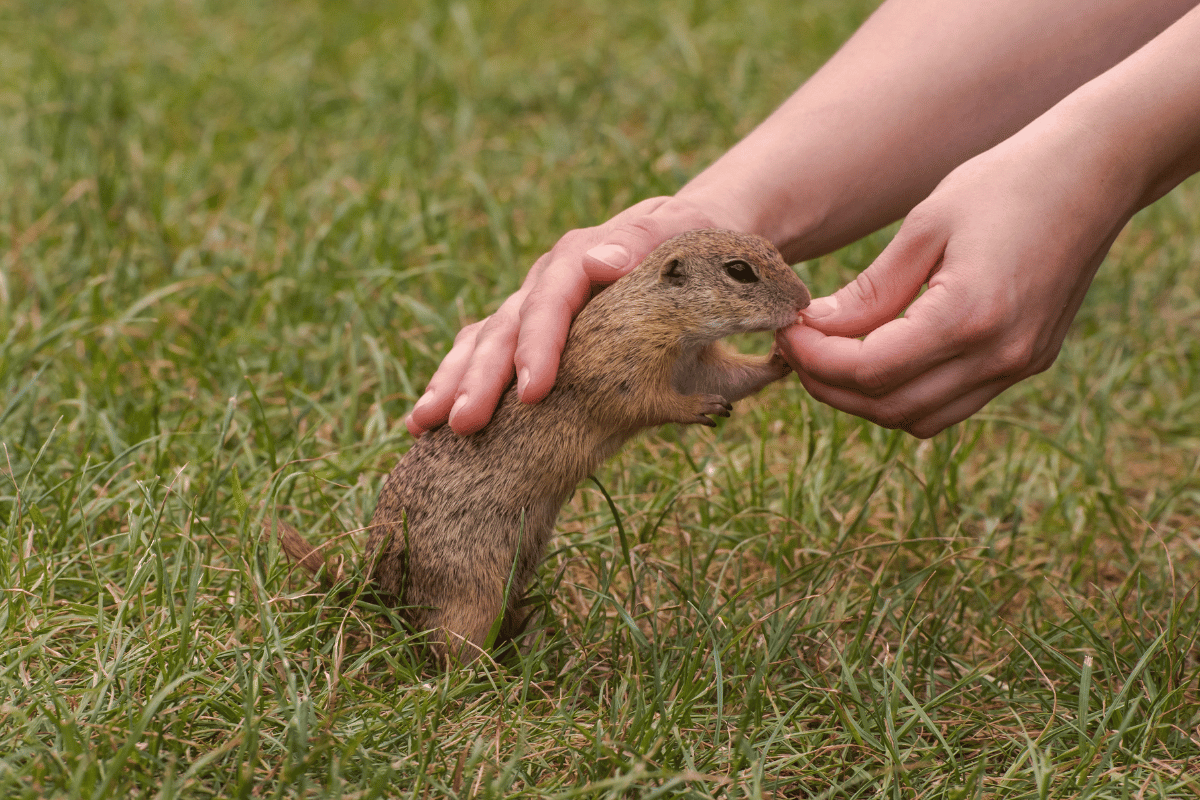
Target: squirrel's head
[{"x": 720, "y": 282}]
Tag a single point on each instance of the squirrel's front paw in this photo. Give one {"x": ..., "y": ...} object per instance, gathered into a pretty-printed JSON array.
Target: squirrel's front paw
[
  {"x": 777, "y": 363},
  {"x": 705, "y": 405}
]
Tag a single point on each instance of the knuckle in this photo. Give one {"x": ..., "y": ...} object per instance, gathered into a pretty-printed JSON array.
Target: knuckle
[
  {"x": 580, "y": 238},
  {"x": 925, "y": 430},
  {"x": 635, "y": 232},
  {"x": 533, "y": 298},
  {"x": 1043, "y": 362},
  {"x": 892, "y": 417},
  {"x": 989, "y": 318},
  {"x": 872, "y": 378},
  {"x": 436, "y": 386},
  {"x": 539, "y": 294},
  {"x": 523, "y": 354},
  {"x": 650, "y": 205},
  {"x": 547, "y": 300},
  {"x": 467, "y": 335},
  {"x": 499, "y": 323},
  {"x": 693, "y": 218},
  {"x": 923, "y": 220},
  {"x": 537, "y": 270},
  {"x": 974, "y": 328},
  {"x": 563, "y": 291},
  {"x": 1015, "y": 359},
  {"x": 865, "y": 288},
  {"x": 442, "y": 383}
]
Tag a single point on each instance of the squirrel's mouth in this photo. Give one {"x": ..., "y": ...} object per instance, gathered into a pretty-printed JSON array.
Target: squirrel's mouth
[
  {"x": 789, "y": 318},
  {"x": 773, "y": 325},
  {"x": 793, "y": 315},
  {"x": 781, "y": 320}
]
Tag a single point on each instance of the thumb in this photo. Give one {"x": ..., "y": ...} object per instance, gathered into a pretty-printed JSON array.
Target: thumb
[
  {"x": 883, "y": 289},
  {"x": 634, "y": 235}
]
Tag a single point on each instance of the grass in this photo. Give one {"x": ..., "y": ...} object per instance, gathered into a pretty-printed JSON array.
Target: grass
[{"x": 237, "y": 238}]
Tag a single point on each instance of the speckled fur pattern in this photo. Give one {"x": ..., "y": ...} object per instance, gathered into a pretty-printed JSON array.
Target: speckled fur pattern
[{"x": 462, "y": 522}]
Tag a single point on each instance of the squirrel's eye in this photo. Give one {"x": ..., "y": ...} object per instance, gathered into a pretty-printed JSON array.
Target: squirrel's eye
[{"x": 741, "y": 272}]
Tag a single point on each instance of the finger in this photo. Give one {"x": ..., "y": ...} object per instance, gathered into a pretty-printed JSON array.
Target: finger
[
  {"x": 639, "y": 230},
  {"x": 489, "y": 370},
  {"x": 923, "y": 407},
  {"x": 959, "y": 410},
  {"x": 433, "y": 407},
  {"x": 872, "y": 409},
  {"x": 889, "y": 357},
  {"x": 562, "y": 290},
  {"x": 546, "y": 316},
  {"x": 886, "y": 287}
]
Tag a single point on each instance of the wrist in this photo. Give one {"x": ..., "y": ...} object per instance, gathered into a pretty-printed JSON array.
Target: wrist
[
  {"x": 1082, "y": 154},
  {"x": 738, "y": 198},
  {"x": 1140, "y": 116}
]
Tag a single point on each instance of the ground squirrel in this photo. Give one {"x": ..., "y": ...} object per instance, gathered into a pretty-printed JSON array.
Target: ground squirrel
[{"x": 463, "y": 521}]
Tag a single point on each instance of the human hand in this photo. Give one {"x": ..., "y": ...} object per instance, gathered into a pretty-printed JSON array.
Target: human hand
[
  {"x": 1008, "y": 244},
  {"x": 527, "y": 332}
]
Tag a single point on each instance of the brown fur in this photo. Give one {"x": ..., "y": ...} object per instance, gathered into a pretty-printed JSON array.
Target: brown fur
[{"x": 462, "y": 519}]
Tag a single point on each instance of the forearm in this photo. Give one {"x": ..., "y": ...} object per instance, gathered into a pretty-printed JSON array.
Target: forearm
[
  {"x": 920, "y": 88},
  {"x": 1144, "y": 113},
  {"x": 1007, "y": 245}
]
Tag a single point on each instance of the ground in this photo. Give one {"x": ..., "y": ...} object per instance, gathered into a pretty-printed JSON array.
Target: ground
[{"x": 236, "y": 239}]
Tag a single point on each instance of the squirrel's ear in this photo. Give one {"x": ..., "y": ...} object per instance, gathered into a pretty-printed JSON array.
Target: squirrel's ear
[{"x": 672, "y": 271}]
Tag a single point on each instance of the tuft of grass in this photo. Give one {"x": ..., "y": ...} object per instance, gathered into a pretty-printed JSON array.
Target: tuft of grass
[{"x": 238, "y": 237}]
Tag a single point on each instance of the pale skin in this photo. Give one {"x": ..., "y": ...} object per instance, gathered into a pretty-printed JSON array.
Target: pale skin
[{"x": 1016, "y": 138}]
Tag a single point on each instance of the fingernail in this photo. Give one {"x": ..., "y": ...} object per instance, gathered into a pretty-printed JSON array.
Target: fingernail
[
  {"x": 611, "y": 255},
  {"x": 821, "y": 307},
  {"x": 457, "y": 407},
  {"x": 422, "y": 401},
  {"x": 522, "y": 380}
]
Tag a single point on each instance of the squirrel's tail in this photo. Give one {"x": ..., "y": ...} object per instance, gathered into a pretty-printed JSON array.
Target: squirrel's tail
[{"x": 299, "y": 551}]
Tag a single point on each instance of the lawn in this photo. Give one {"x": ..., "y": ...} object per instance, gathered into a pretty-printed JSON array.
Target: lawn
[{"x": 236, "y": 238}]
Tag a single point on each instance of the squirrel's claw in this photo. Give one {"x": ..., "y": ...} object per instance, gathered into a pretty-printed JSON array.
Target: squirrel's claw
[{"x": 710, "y": 404}]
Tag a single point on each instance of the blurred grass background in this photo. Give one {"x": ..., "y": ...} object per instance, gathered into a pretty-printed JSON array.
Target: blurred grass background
[{"x": 235, "y": 240}]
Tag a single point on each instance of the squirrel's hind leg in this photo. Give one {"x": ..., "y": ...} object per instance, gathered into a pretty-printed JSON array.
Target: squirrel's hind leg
[{"x": 462, "y": 624}]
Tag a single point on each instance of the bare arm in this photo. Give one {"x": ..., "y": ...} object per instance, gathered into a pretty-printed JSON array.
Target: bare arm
[
  {"x": 1008, "y": 244},
  {"x": 921, "y": 87}
]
